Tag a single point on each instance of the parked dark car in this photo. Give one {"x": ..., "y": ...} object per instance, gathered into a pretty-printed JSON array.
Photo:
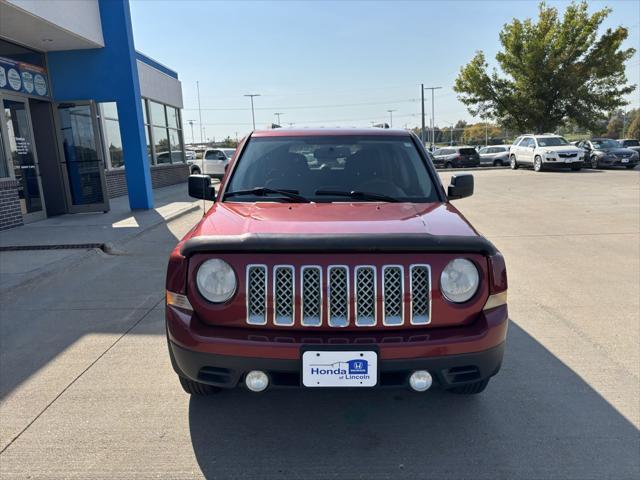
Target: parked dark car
[
  {"x": 456, "y": 157},
  {"x": 494, "y": 155},
  {"x": 605, "y": 152},
  {"x": 631, "y": 143}
]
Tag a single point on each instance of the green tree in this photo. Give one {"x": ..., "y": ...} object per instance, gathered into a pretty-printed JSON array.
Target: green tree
[
  {"x": 615, "y": 125},
  {"x": 551, "y": 71},
  {"x": 633, "y": 128}
]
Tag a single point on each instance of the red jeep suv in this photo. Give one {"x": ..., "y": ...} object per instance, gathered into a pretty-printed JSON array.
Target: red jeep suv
[{"x": 334, "y": 258}]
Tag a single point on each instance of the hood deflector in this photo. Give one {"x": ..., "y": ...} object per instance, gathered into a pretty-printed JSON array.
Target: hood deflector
[{"x": 332, "y": 243}]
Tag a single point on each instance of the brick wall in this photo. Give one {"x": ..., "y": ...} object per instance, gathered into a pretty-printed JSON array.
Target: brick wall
[
  {"x": 161, "y": 176},
  {"x": 10, "y": 214}
]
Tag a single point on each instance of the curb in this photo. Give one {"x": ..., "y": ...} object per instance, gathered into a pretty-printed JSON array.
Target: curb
[{"x": 105, "y": 250}]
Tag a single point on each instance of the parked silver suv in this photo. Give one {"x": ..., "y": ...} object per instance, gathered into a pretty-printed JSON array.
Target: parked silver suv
[{"x": 545, "y": 151}]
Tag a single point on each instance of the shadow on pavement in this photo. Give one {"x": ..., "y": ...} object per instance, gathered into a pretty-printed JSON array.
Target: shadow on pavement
[{"x": 537, "y": 419}]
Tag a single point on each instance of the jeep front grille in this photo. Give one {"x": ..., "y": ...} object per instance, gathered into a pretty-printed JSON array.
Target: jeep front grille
[{"x": 401, "y": 296}]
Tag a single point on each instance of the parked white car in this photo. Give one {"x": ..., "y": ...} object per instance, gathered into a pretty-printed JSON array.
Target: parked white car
[
  {"x": 545, "y": 151},
  {"x": 211, "y": 161}
]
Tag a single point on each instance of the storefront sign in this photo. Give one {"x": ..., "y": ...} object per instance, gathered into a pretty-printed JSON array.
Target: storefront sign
[{"x": 23, "y": 77}]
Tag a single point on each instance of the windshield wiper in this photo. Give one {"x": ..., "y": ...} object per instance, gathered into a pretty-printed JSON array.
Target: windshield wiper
[
  {"x": 358, "y": 195},
  {"x": 263, "y": 191}
]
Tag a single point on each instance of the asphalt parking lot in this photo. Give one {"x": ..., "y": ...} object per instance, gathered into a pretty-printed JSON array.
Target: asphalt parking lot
[{"x": 87, "y": 390}]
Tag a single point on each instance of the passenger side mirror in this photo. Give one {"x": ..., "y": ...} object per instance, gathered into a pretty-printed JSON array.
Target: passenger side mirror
[
  {"x": 200, "y": 187},
  {"x": 461, "y": 186}
]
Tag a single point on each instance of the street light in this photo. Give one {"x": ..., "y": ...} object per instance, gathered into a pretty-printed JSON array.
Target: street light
[
  {"x": 391, "y": 118},
  {"x": 433, "y": 118},
  {"x": 253, "y": 115},
  {"x": 277, "y": 114}
]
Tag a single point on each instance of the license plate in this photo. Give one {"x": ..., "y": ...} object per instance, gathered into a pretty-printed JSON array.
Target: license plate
[
  {"x": 352, "y": 368},
  {"x": 625, "y": 160}
]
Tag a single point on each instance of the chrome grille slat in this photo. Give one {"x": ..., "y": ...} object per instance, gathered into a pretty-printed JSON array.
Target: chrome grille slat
[
  {"x": 338, "y": 289},
  {"x": 311, "y": 292},
  {"x": 256, "y": 294},
  {"x": 420, "y": 289},
  {"x": 393, "y": 295},
  {"x": 283, "y": 295},
  {"x": 365, "y": 292},
  {"x": 338, "y": 295}
]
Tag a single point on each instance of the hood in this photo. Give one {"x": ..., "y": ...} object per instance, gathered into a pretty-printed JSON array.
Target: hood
[
  {"x": 616, "y": 150},
  {"x": 237, "y": 218},
  {"x": 563, "y": 149}
]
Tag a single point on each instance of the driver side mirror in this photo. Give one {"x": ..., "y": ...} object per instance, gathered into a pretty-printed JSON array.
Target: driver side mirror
[
  {"x": 461, "y": 186},
  {"x": 200, "y": 187}
]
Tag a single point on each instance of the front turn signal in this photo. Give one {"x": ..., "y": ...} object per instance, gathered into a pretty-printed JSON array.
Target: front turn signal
[
  {"x": 496, "y": 300},
  {"x": 178, "y": 300}
]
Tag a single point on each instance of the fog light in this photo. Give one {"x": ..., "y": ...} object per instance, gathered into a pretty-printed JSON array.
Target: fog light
[
  {"x": 256, "y": 380},
  {"x": 420, "y": 380}
]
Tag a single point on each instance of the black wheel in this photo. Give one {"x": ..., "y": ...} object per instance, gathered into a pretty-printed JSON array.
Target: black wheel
[
  {"x": 513, "y": 163},
  {"x": 594, "y": 161},
  {"x": 537, "y": 164},
  {"x": 497, "y": 163},
  {"x": 630, "y": 166},
  {"x": 195, "y": 171},
  {"x": 575, "y": 168},
  {"x": 448, "y": 165},
  {"x": 197, "y": 388},
  {"x": 471, "y": 388}
]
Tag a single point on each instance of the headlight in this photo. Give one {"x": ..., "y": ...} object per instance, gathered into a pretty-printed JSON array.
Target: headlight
[
  {"x": 459, "y": 280},
  {"x": 216, "y": 280}
]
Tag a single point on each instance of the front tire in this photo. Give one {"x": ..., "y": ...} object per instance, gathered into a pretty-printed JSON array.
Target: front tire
[
  {"x": 498, "y": 163},
  {"x": 513, "y": 163},
  {"x": 195, "y": 171},
  {"x": 576, "y": 168},
  {"x": 197, "y": 388},
  {"x": 629, "y": 167},
  {"x": 471, "y": 388},
  {"x": 537, "y": 164},
  {"x": 448, "y": 165},
  {"x": 594, "y": 162}
]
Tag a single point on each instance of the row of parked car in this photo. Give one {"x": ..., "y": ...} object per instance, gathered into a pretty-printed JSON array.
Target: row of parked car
[{"x": 543, "y": 151}]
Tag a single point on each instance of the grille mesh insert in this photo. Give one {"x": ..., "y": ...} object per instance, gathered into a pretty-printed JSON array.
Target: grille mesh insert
[
  {"x": 393, "y": 290},
  {"x": 365, "y": 288},
  {"x": 283, "y": 295},
  {"x": 257, "y": 294},
  {"x": 311, "y": 296},
  {"x": 420, "y": 289},
  {"x": 338, "y": 296}
]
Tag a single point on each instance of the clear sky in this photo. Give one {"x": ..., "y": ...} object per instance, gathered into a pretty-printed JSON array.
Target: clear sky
[{"x": 331, "y": 63}]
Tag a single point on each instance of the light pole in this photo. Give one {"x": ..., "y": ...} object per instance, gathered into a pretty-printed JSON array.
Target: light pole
[
  {"x": 253, "y": 115},
  {"x": 422, "y": 103},
  {"x": 191, "y": 122},
  {"x": 277, "y": 114},
  {"x": 391, "y": 118},
  {"x": 433, "y": 118},
  {"x": 199, "y": 111}
]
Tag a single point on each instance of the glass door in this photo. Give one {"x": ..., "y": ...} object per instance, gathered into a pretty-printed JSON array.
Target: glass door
[
  {"x": 20, "y": 149},
  {"x": 83, "y": 161}
]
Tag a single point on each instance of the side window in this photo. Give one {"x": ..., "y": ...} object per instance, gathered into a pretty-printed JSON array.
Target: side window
[{"x": 211, "y": 154}]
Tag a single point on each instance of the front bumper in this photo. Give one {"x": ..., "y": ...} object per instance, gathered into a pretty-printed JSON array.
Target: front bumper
[
  {"x": 222, "y": 356},
  {"x": 617, "y": 162}
]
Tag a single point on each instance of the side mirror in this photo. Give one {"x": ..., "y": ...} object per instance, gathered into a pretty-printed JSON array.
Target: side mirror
[
  {"x": 200, "y": 187},
  {"x": 461, "y": 186}
]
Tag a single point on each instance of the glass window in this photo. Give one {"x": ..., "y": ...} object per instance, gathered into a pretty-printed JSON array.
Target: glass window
[
  {"x": 161, "y": 146},
  {"x": 172, "y": 117},
  {"x": 4, "y": 166},
  {"x": 176, "y": 146},
  {"x": 157, "y": 114},
  {"x": 380, "y": 165},
  {"x": 144, "y": 111},
  {"x": 604, "y": 143},
  {"x": 109, "y": 110},
  {"x": 551, "y": 142},
  {"x": 113, "y": 142},
  {"x": 146, "y": 136}
]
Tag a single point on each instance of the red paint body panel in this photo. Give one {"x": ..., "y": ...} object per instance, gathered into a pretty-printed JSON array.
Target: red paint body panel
[{"x": 488, "y": 331}]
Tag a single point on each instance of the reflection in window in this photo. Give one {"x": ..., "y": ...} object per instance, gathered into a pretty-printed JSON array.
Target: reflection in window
[
  {"x": 157, "y": 114},
  {"x": 113, "y": 142},
  {"x": 161, "y": 145}
]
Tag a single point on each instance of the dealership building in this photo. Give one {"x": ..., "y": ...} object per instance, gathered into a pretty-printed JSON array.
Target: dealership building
[{"x": 86, "y": 117}]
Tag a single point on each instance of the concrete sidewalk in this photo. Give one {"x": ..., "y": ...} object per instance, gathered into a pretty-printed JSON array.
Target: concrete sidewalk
[{"x": 83, "y": 231}]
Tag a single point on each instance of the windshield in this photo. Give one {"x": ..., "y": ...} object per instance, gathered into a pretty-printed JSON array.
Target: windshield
[
  {"x": 229, "y": 152},
  {"x": 605, "y": 143},
  {"x": 328, "y": 168},
  {"x": 552, "y": 142}
]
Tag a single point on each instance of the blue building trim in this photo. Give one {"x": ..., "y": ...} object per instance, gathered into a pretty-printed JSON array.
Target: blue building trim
[
  {"x": 155, "y": 64},
  {"x": 110, "y": 74}
]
